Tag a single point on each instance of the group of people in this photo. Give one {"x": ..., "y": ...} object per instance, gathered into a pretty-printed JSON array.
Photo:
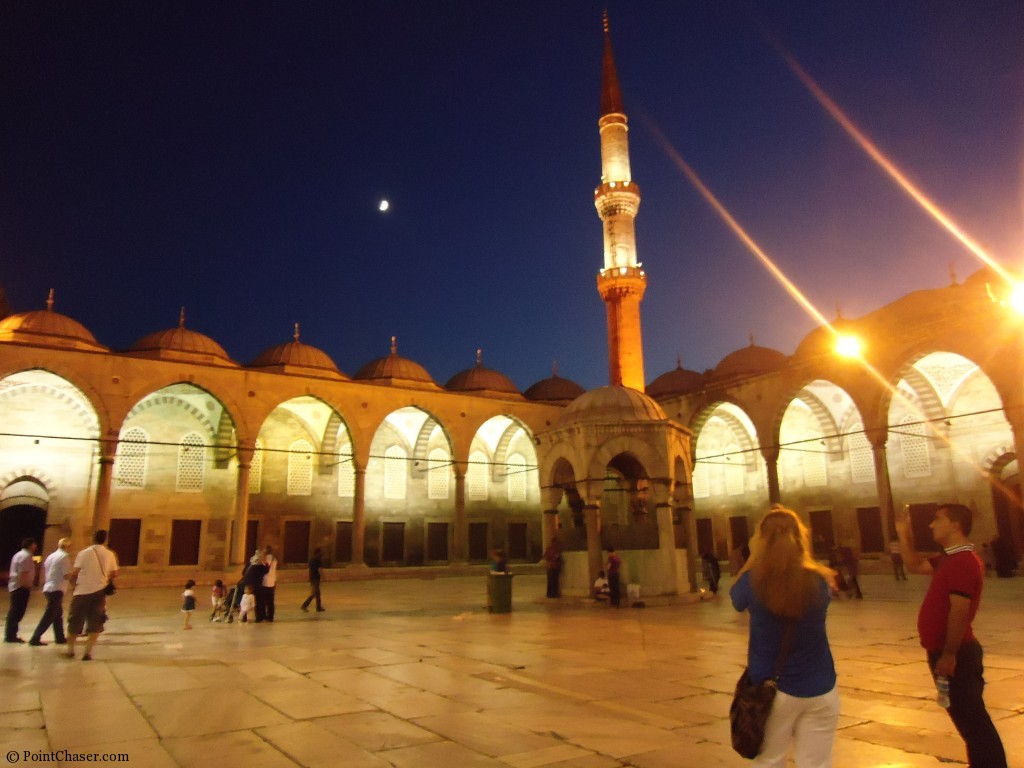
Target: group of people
[
  {"x": 787, "y": 592},
  {"x": 91, "y": 577},
  {"x": 607, "y": 586}
]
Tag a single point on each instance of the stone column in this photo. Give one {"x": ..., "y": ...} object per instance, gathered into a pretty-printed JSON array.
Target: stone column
[
  {"x": 550, "y": 526},
  {"x": 359, "y": 517},
  {"x": 460, "y": 533},
  {"x": 236, "y": 551},
  {"x": 771, "y": 460},
  {"x": 878, "y": 440},
  {"x": 101, "y": 507},
  {"x": 595, "y": 555}
]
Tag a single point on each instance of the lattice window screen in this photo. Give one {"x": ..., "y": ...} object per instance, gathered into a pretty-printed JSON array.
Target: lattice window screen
[
  {"x": 191, "y": 461},
  {"x": 131, "y": 459},
  {"x": 300, "y": 468}
]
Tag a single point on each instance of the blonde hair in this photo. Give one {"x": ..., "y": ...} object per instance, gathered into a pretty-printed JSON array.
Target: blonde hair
[{"x": 783, "y": 572}]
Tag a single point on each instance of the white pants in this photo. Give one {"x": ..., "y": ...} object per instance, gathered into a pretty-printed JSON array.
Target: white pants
[{"x": 809, "y": 724}]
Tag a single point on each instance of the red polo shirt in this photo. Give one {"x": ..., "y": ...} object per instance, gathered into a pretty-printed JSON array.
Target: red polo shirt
[{"x": 957, "y": 572}]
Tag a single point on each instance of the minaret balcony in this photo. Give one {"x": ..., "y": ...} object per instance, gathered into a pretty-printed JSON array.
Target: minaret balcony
[
  {"x": 617, "y": 197},
  {"x": 616, "y": 283}
]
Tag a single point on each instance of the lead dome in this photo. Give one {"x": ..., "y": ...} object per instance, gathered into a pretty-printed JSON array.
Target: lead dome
[
  {"x": 297, "y": 357},
  {"x": 395, "y": 370},
  {"x": 481, "y": 380},
  {"x": 181, "y": 344},
  {"x": 48, "y": 328},
  {"x": 612, "y": 405}
]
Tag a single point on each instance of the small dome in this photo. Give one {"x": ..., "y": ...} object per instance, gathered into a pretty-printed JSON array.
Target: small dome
[
  {"x": 395, "y": 371},
  {"x": 612, "y": 405},
  {"x": 555, "y": 389},
  {"x": 748, "y": 361},
  {"x": 481, "y": 380},
  {"x": 296, "y": 357},
  {"x": 181, "y": 344},
  {"x": 680, "y": 381},
  {"x": 48, "y": 328}
]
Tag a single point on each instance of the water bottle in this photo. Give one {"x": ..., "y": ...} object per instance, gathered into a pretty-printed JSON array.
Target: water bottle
[{"x": 942, "y": 691}]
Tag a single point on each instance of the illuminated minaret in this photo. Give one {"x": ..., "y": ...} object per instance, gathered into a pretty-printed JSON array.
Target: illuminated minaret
[{"x": 621, "y": 283}]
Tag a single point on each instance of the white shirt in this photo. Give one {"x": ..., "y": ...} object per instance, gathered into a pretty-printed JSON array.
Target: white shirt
[
  {"x": 270, "y": 579},
  {"x": 56, "y": 566},
  {"x": 20, "y": 563},
  {"x": 95, "y": 565}
]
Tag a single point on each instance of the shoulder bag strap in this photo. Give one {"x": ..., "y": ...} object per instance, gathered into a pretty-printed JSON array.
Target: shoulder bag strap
[{"x": 99, "y": 563}]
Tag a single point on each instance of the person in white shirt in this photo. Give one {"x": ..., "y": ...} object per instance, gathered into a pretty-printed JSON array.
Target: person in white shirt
[
  {"x": 94, "y": 567},
  {"x": 269, "y": 587},
  {"x": 19, "y": 584},
  {"x": 56, "y": 568}
]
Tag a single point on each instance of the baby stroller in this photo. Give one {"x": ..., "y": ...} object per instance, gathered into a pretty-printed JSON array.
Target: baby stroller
[{"x": 226, "y": 608}]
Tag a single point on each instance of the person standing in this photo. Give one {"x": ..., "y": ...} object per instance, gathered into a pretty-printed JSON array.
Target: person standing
[
  {"x": 612, "y": 567},
  {"x": 19, "y": 585},
  {"x": 269, "y": 586},
  {"x": 253, "y": 578},
  {"x": 316, "y": 562},
  {"x": 94, "y": 567},
  {"x": 56, "y": 568},
  {"x": 787, "y": 593},
  {"x": 944, "y": 626},
  {"x": 851, "y": 564},
  {"x": 553, "y": 561},
  {"x": 712, "y": 571}
]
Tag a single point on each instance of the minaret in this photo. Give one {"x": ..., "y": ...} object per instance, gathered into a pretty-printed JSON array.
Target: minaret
[{"x": 621, "y": 283}]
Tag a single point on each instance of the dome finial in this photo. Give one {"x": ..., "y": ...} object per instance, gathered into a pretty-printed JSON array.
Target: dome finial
[
  {"x": 750, "y": 336},
  {"x": 554, "y": 369},
  {"x": 394, "y": 345},
  {"x": 479, "y": 358},
  {"x": 604, "y": 19},
  {"x": 952, "y": 274},
  {"x": 181, "y": 318},
  {"x": 49, "y": 301},
  {"x": 296, "y": 334},
  {"x": 679, "y": 361},
  {"x": 839, "y": 310}
]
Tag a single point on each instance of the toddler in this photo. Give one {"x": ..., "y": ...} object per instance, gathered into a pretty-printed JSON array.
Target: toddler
[
  {"x": 247, "y": 607},
  {"x": 216, "y": 599},
  {"x": 188, "y": 603}
]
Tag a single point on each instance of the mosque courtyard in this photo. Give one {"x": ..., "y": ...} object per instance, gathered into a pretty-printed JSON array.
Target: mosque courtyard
[{"x": 414, "y": 673}]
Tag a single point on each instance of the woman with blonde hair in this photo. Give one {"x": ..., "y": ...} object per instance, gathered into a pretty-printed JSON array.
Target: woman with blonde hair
[{"x": 787, "y": 593}]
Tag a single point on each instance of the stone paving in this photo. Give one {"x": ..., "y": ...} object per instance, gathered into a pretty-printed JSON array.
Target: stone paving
[{"x": 415, "y": 674}]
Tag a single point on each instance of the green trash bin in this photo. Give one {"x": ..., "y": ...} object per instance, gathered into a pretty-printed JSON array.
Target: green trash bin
[{"x": 499, "y": 592}]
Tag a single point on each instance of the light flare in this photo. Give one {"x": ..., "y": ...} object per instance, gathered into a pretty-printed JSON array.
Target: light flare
[{"x": 886, "y": 164}]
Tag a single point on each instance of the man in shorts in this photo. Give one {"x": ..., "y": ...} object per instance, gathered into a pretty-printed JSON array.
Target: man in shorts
[{"x": 94, "y": 567}]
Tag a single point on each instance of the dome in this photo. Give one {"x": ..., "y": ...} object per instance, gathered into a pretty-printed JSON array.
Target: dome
[
  {"x": 395, "y": 371},
  {"x": 296, "y": 357},
  {"x": 181, "y": 344},
  {"x": 481, "y": 380},
  {"x": 822, "y": 340},
  {"x": 748, "y": 361},
  {"x": 611, "y": 405},
  {"x": 680, "y": 381},
  {"x": 555, "y": 389},
  {"x": 48, "y": 328}
]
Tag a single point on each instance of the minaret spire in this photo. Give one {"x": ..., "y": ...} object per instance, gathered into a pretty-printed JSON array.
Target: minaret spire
[{"x": 621, "y": 282}]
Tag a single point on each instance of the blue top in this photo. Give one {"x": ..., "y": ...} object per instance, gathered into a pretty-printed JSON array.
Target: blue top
[{"x": 808, "y": 669}]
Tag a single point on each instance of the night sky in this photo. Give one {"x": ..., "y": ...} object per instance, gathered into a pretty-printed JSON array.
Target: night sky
[{"x": 230, "y": 157}]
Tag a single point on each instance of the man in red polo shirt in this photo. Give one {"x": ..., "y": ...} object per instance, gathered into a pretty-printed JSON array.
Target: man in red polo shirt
[{"x": 944, "y": 624}]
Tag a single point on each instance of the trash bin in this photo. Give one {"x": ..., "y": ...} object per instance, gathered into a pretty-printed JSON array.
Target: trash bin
[{"x": 499, "y": 592}]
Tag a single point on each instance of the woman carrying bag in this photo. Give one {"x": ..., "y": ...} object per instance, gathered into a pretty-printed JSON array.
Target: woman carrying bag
[{"x": 787, "y": 593}]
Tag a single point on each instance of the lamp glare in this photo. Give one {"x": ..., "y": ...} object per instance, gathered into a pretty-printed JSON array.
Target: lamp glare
[{"x": 848, "y": 346}]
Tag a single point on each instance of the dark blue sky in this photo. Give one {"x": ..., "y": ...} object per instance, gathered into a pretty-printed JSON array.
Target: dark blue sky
[{"x": 230, "y": 157}]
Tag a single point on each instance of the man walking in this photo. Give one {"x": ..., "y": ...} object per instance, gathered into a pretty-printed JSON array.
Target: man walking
[
  {"x": 56, "y": 568},
  {"x": 19, "y": 584},
  {"x": 94, "y": 567},
  {"x": 316, "y": 562},
  {"x": 944, "y": 625}
]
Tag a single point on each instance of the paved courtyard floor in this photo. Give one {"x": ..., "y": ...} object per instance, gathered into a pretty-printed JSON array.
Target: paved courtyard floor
[{"x": 415, "y": 674}]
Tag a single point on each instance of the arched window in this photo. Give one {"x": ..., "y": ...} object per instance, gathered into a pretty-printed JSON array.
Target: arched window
[
  {"x": 130, "y": 471},
  {"x": 701, "y": 481},
  {"x": 862, "y": 462},
  {"x": 516, "y": 477},
  {"x": 256, "y": 468},
  {"x": 438, "y": 463},
  {"x": 394, "y": 472},
  {"x": 813, "y": 457},
  {"x": 914, "y": 447},
  {"x": 346, "y": 473},
  {"x": 300, "y": 468},
  {"x": 734, "y": 470},
  {"x": 476, "y": 476},
  {"x": 191, "y": 461}
]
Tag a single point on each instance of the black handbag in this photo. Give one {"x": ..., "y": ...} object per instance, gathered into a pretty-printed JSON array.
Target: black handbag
[
  {"x": 751, "y": 704},
  {"x": 109, "y": 588}
]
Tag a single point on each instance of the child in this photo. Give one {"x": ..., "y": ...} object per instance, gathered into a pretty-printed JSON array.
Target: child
[
  {"x": 601, "y": 588},
  {"x": 247, "y": 607},
  {"x": 216, "y": 599},
  {"x": 189, "y": 603}
]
